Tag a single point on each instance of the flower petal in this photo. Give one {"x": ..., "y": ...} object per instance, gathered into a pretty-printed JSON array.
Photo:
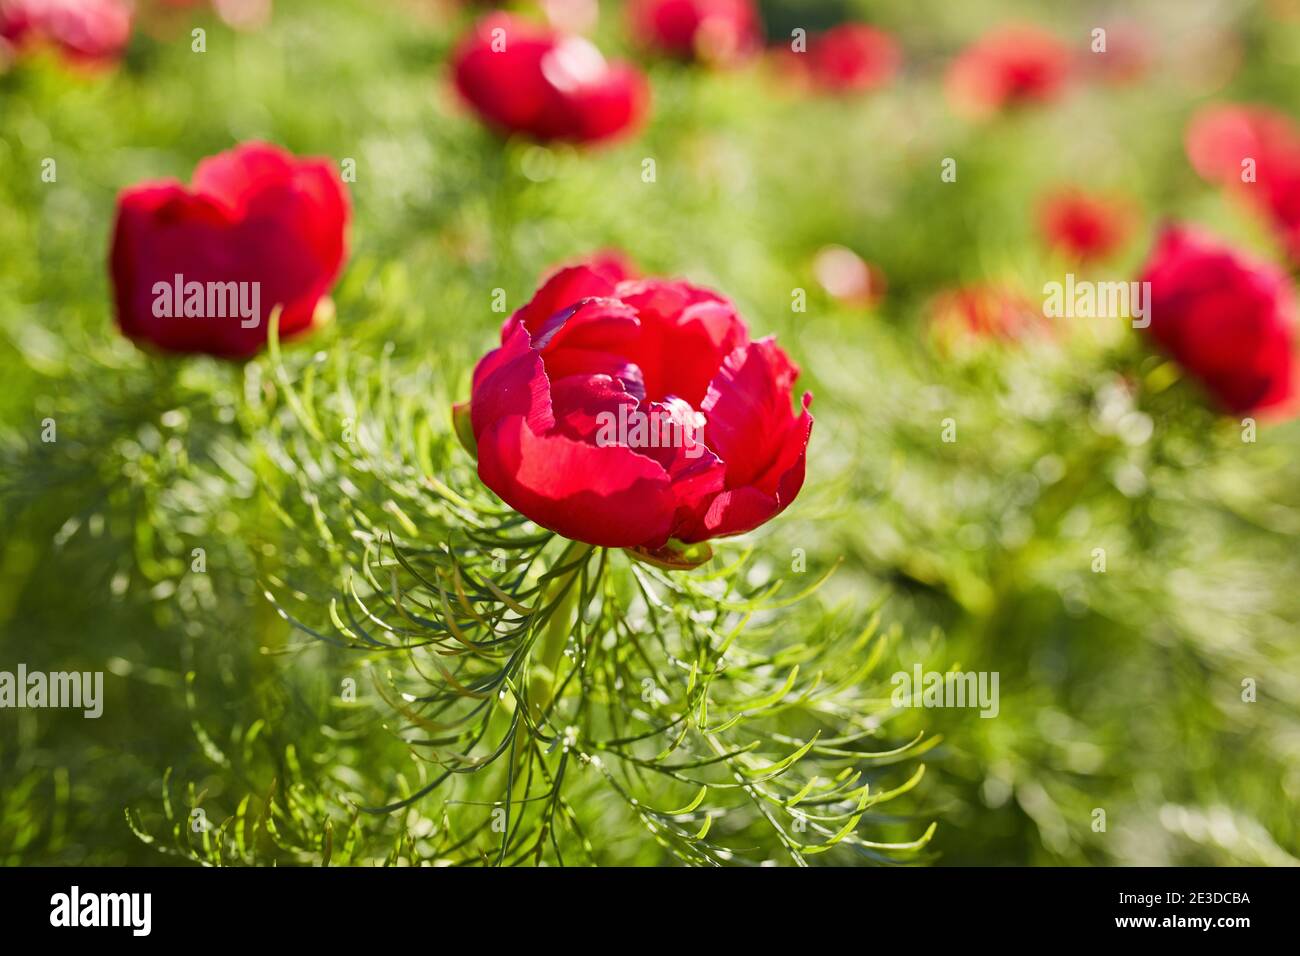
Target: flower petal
[
  {"x": 610, "y": 497},
  {"x": 686, "y": 332}
]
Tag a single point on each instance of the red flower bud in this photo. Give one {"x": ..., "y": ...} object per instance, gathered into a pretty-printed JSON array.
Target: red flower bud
[
  {"x": 1083, "y": 226},
  {"x": 200, "y": 269},
  {"x": 710, "y": 31},
  {"x": 524, "y": 78},
  {"x": 1011, "y": 66},
  {"x": 849, "y": 58}
]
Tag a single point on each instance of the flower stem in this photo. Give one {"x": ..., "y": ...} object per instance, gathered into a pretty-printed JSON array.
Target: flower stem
[{"x": 562, "y": 596}]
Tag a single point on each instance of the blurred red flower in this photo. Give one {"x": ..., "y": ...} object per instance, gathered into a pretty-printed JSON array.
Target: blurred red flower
[
  {"x": 521, "y": 77},
  {"x": 1225, "y": 318},
  {"x": 982, "y": 312},
  {"x": 719, "y": 452},
  {"x": 1255, "y": 152},
  {"x": 847, "y": 277},
  {"x": 711, "y": 31},
  {"x": 201, "y": 269},
  {"x": 87, "y": 33},
  {"x": 1008, "y": 67},
  {"x": 849, "y": 58},
  {"x": 1084, "y": 226},
  {"x": 1222, "y": 136},
  {"x": 1282, "y": 203}
]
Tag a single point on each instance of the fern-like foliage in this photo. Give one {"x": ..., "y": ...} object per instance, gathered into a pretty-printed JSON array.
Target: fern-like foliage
[{"x": 552, "y": 702}]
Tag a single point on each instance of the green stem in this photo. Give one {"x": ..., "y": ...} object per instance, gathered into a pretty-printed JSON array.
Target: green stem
[
  {"x": 563, "y": 590},
  {"x": 562, "y": 594}
]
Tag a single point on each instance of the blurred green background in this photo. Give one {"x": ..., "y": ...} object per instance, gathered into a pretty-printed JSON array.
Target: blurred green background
[{"x": 1120, "y": 691}]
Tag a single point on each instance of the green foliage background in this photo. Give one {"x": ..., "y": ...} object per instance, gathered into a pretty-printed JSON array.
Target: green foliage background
[{"x": 1120, "y": 691}]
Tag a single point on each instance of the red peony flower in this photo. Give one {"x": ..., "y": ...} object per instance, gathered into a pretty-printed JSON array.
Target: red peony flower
[
  {"x": 1011, "y": 66},
  {"x": 524, "y": 78},
  {"x": 1222, "y": 136},
  {"x": 1255, "y": 152},
  {"x": 1224, "y": 318},
  {"x": 201, "y": 269},
  {"x": 87, "y": 33},
  {"x": 1084, "y": 227},
  {"x": 626, "y": 412},
  {"x": 711, "y": 31},
  {"x": 849, "y": 58}
]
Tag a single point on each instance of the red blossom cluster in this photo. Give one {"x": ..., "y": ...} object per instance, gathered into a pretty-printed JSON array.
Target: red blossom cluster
[{"x": 597, "y": 344}]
